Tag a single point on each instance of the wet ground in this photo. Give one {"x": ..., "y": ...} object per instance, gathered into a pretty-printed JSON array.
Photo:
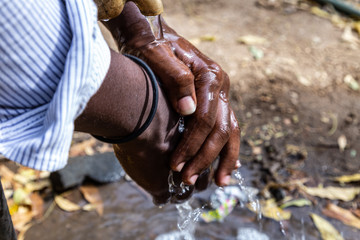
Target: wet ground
[{"x": 294, "y": 95}]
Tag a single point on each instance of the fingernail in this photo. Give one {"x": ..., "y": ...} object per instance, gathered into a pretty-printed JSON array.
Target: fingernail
[
  {"x": 193, "y": 179},
  {"x": 226, "y": 180},
  {"x": 179, "y": 167},
  {"x": 186, "y": 105},
  {"x": 238, "y": 164}
]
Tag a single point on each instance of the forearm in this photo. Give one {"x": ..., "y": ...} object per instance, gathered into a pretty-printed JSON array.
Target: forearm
[{"x": 123, "y": 102}]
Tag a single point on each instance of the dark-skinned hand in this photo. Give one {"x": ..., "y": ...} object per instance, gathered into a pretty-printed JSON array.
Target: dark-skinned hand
[{"x": 190, "y": 79}]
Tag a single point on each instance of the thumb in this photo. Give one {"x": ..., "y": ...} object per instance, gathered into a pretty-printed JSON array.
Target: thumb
[{"x": 176, "y": 78}]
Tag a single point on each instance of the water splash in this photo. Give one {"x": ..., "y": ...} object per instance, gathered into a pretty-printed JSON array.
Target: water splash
[
  {"x": 188, "y": 217},
  {"x": 181, "y": 127},
  {"x": 177, "y": 189},
  {"x": 211, "y": 96},
  {"x": 156, "y": 28},
  {"x": 250, "y": 194}
]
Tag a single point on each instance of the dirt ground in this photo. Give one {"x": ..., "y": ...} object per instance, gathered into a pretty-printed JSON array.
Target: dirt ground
[
  {"x": 291, "y": 100},
  {"x": 295, "y": 95}
]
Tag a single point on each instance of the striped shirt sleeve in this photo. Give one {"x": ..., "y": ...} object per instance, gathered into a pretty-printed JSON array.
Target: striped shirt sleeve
[{"x": 53, "y": 58}]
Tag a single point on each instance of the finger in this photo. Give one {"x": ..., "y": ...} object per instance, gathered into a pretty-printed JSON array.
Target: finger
[
  {"x": 204, "y": 179},
  {"x": 229, "y": 155},
  {"x": 199, "y": 126},
  {"x": 212, "y": 146},
  {"x": 197, "y": 129},
  {"x": 176, "y": 77}
]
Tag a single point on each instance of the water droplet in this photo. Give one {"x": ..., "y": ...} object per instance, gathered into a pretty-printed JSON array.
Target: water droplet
[
  {"x": 211, "y": 96},
  {"x": 181, "y": 127}
]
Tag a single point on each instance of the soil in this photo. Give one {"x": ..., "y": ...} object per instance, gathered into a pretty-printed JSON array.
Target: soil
[{"x": 293, "y": 96}]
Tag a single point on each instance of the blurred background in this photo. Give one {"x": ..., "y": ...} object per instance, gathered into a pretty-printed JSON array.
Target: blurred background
[{"x": 294, "y": 67}]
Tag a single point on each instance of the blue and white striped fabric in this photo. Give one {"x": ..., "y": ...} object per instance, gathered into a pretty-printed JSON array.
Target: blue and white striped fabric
[{"x": 53, "y": 58}]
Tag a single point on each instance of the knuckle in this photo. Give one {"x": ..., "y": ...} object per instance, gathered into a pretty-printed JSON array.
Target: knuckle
[
  {"x": 183, "y": 78},
  {"x": 215, "y": 68},
  {"x": 224, "y": 132},
  {"x": 207, "y": 124}
]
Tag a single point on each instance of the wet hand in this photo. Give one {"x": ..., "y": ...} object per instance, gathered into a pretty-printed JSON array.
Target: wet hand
[
  {"x": 213, "y": 129},
  {"x": 190, "y": 78}
]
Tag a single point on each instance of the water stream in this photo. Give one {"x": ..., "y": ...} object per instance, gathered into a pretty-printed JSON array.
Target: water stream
[{"x": 189, "y": 216}]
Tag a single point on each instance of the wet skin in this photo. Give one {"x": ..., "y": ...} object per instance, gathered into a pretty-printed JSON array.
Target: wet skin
[{"x": 212, "y": 129}]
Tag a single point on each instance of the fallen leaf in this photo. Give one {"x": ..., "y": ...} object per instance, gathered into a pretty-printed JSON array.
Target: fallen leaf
[
  {"x": 342, "y": 214},
  {"x": 6, "y": 173},
  {"x": 327, "y": 231},
  {"x": 256, "y": 150},
  {"x": 256, "y": 52},
  {"x": 92, "y": 195},
  {"x": 25, "y": 175},
  {"x": 37, "y": 205},
  {"x": 296, "y": 151},
  {"x": 297, "y": 203},
  {"x": 304, "y": 81},
  {"x": 348, "y": 178},
  {"x": 351, "y": 82},
  {"x": 105, "y": 148},
  {"x": 252, "y": 40},
  {"x": 13, "y": 207},
  {"x": 81, "y": 148},
  {"x": 21, "y": 218},
  {"x": 342, "y": 142},
  {"x": 319, "y": 12},
  {"x": 349, "y": 37},
  {"x": 333, "y": 193},
  {"x": 89, "y": 207},
  {"x": 8, "y": 193},
  {"x": 270, "y": 209},
  {"x": 37, "y": 185},
  {"x": 66, "y": 205},
  {"x": 357, "y": 26},
  {"x": 21, "y": 196},
  {"x": 208, "y": 38},
  {"x": 357, "y": 212}
]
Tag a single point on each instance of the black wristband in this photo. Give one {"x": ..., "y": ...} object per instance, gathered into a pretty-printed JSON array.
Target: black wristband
[{"x": 151, "y": 116}]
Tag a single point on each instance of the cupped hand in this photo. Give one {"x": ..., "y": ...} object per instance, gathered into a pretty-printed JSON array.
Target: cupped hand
[{"x": 191, "y": 81}]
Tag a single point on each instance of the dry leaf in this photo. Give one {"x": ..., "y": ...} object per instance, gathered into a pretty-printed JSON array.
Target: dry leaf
[
  {"x": 38, "y": 185},
  {"x": 270, "y": 209},
  {"x": 13, "y": 207},
  {"x": 6, "y": 173},
  {"x": 25, "y": 175},
  {"x": 349, "y": 37},
  {"x": 319, "y": 12},
  {"x": 342, "y": 214},
  {"x": 21, "y": 218},
  {"x": 81, "y": 148},
  {"x": 37, "y": 205},
  {"x": 333, "y": 193},
  {"x": 21, "y": 197},
  {"x": 66, "y": 205},
  {"x": 105, "y": 148},
  {"x": 297, "y": 203},
  {"x": 351, "y": 82},
  {"x": 357, "y": 212},
  {"x": 357, "y": 26},
  {"x": 252, "y": 40},
  {"x": 8, "y": 193},
  {"x": 89, "y": 207},
  {"x": 92, "y": 195},
  {"x": 208, "y": 38},
  {"x": 342, "y": 142},
  {"x": 327, "y": 231},
  {"x": 348, "y": 178}
]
